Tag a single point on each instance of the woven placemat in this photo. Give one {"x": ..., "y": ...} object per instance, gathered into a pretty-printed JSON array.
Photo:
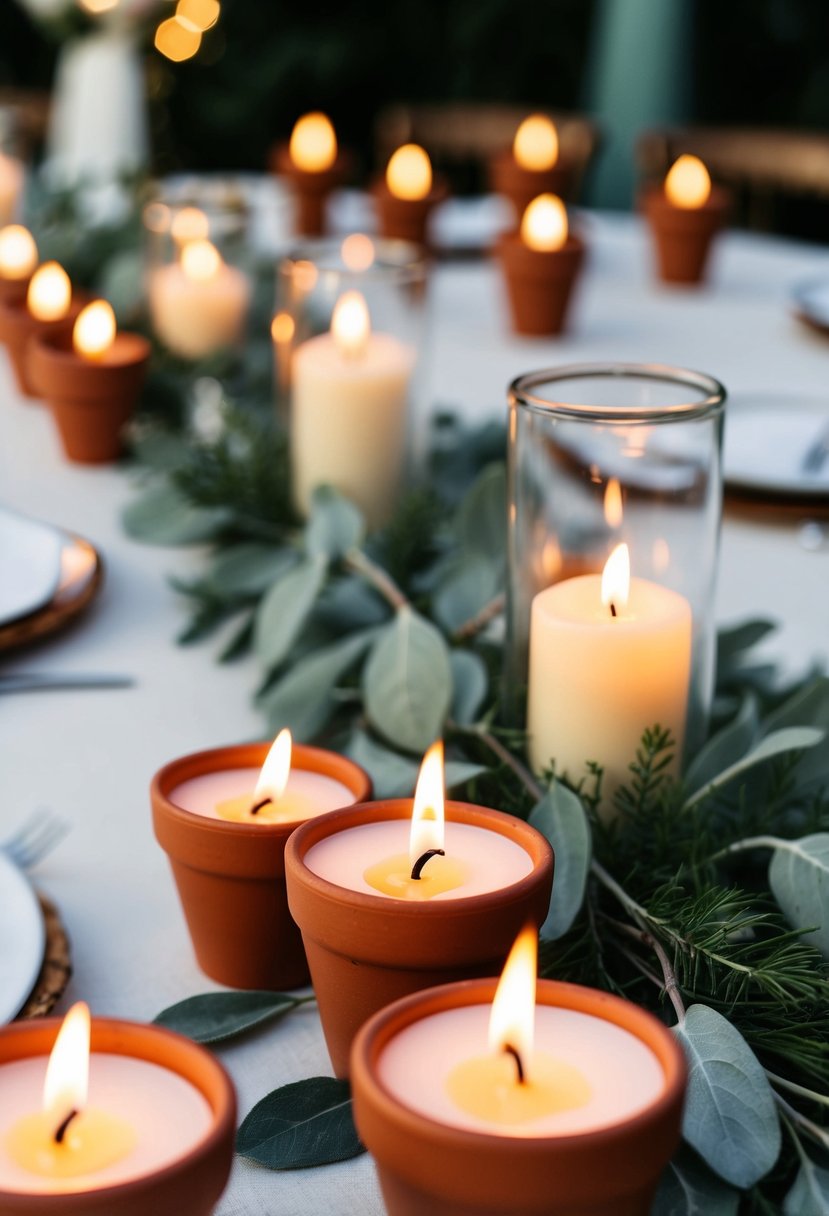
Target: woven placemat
[{"x": 57, "y": 965}]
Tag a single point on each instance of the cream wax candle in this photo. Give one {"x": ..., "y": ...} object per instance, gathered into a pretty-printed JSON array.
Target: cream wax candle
[{"x": 198, "y": 304}]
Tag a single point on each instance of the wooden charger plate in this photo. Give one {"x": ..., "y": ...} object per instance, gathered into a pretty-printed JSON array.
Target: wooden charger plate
[
  {"x": 57, "y": 965},
  {"x": 82, "y": 573}
]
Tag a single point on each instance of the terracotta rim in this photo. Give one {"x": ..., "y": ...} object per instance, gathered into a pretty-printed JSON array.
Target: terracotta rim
[
  {"x": 320, "y": 182},
  {"x": 438, "y": 194},
  {"x": 654, "y": 199}
]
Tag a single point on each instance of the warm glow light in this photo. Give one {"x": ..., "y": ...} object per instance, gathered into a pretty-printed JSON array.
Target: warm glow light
[
  {"x": 688, "y": 183},
  {"x": 67, "y": 1074},
  {"x": 305, "y": 275},
  {"x": 536, "y": 143},
  {"x": 409, "y": 173},
  {"x": 198, "y": 15},
  {"x": 358, "y": 251},
  {"x": 283, "y": 327},
  {"x": 177, "y": 41},
  {"x": 276, "y": 769},
  {"x": 94, "y": 330},
  {"x": 200, "y": 261},
  {"x": 313, "y": 145},
  {"x": 18, "y": 252},
  {"x": 98, "y": 6},
  {"x": 512, "y": 1021},
  {"x": 50, "y": 293},
  {"x": 351, "y": 324},
  {"x": 544, "y": 226},
  {"x": 427, "y": 813},
  {"x": 616, "y": 578},
  {"x": 189, "y": 224},
  {"x": 613, "y": 503}
]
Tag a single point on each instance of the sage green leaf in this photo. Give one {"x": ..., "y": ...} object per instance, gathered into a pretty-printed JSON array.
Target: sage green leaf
[
  {"x": 213, "y": 1017},
  {"x": 407, "y": 682},
  {"x": 561, "y": 818},
  {"x": 688, "y": 1188},
  {"x": 469, "y": 686},
  {"x": 395, "y": 776},
  {"x": 799, "y": 881},
  {"x": 249, "y": 568},
  {"x": 163, "y": 516},
  {"x": 790, "y": 739},
  {"x": 481, "y": 522},
  {"x": 809, "y": 1196},
  {"x": 808, "y": 705},
  {"x": 284, "y": 609},
  {"x": 300, "y": 1125},
  {"x": 730, "y": 1116},
  {"x": 335, "y": 526},
  {"x": 467, "y": 586},
  {"x": 735, "y": 639},
  {"x": 725, "y": 748},
  {"x": 303, "y": 698}
]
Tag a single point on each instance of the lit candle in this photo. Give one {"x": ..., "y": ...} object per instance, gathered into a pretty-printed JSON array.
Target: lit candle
[
  {"x": 610, "y": 656},
  {"x": 50, "y": 293},
  {"x": 544, "y": 225},
  {"x": 283, "y": 328},
  {"x": 313, "y": 143},
  {"x": 408, "y": 194},
  {"x": 533, "y": 165},
  {"x": 18, "y": 259},
  {"x": 46, "y": 305},
  {"x": 198, "y": 304},
  {"x": 535, "y": 146},
  {"x": 684, "y": 217},
  {"x": 314, "y": 165},
  {"x": 409, "y": 173},
  {"x": 349, "y": 411},
  {"x": 688, "y": 183},
  {"x": 541, "y": 264},
  {"x": 11, "y": 186}
]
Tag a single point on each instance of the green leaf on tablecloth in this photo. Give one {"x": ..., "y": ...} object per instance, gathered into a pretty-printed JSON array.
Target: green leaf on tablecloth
[
  {"x": 468, "y": 584},
  {"x": 687, "y": 1188},
  {"x": 214, "y": 1017},
  {"x": 395, "y": 776},
  {"x": 163, "y": 516},
  {"x": 799, "y": 880},
  {"x": 302, "y": 699},
  {"x": 734, "y": 640},
  {"x": 730, "y": 1115},
  {"x": 560, "y": 817},
  {"x": 248, "y": 569},
  {"x": 481, "y": 522},
  {"x": 810, "y": 1194},
  {"x": 790, "y": 739},
  {"x": 285, "y": 608},
  {"x": 725, "y": 748},
  {"x": 301, "y": 1125},
  {"x": 335, "y": 526},
  {"x": 469, "y": 686},
  {"x": 407, "y": 682}
]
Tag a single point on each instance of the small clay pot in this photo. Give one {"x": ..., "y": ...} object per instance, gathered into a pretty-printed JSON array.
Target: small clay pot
[
  {"x": 427, "y": 1168},
  {"x": 682, "y": 236},
  {"x": 365, "y": 951},
  {"x": 406, "y": 219},
  {"x": 521, "y": 185},
  {"x": 539, "y": 283},
  {"x": 18, "y": 327},
  {"x": 91, "y": 400},
  {"x": 311, "y": 190},
  {"x": 194, "y": 1182},
  {"x": 231, "y": 876},
  {"x": 13, "y": 290}
]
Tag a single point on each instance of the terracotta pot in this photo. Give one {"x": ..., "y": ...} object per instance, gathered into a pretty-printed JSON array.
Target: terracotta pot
[
  {"x": 427, "y": 1168},
  {"x": 311, "y": 190},
  {"x": 539, "y": 283},
  {"x": 231, "y": 876},
  {"x": 365, "y": 951},
  {"x": 406, "y": 219},
  {"x": 18, "y": 327},
  {"x": 682, "y": 237},
  {"x": 91, "y": 401},
  {"x": 194, "y": 1182},
  {"x": 521, "y": 186},
  {"x": 13, "y": 290}
]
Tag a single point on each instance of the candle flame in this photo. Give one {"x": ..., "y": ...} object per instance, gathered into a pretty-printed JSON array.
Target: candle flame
[
  {"x": 94, "y": 330},
  {"x": 613, "y": 503},
  {"x": 512, "y": 1021},
  {"x": 313, "y": 146},
  {"x": 535, "y": 146},
  {"x": 276, "y": 770},
  {"x": 544, "y": 226},
  {"x": 189, "y": 224},
  {"x": 358, "y": 251},
  {"x": 200, "y": 261},
  {"x": 67, "y": 1074},
  {"x": 18, "y": 252},
  {"x": 688, "y": 183},
  {"x": 409, "y": 173},
  {"x": 50, "y": 293},
  {"x": 427, "y": 829},
  {"x": 616, "y": 578},
  {"x": 283, "y": 327},
  {"x": 351, "y": 324}
]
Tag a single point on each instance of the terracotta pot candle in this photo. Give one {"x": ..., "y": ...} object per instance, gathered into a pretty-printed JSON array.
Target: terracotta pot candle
[
  {"x": 532, "y": 166},
  {"x": 91, "y": 382},
  {"x": 475, "y": 1103},
  {"x": 684, "y": 216},
  {"x": 541, "y": 264},
  {"x": 49, "y": 307},
  {"x": 18, "y": 259},
  {"x": 224, "y": 825},
  {"x": 154, "y": 1134},
  {"x": 388, "y": 904},
  {"x": 314, "y": 166},
  {"x": 407, "y": 195}
]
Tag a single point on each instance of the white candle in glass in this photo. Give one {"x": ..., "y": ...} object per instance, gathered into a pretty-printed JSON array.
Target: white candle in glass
[{"x": 198, "y": 304}]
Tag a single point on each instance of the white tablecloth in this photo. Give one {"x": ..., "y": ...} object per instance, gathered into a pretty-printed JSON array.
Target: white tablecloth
[{"x": 90, "y": 755}]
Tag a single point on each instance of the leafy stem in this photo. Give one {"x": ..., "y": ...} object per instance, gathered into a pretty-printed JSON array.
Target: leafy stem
[
  {"x": 360, "y": 563},
  {"x": 481, "y": 619},
  {"x": 801, "y": 1090},
  {"x": 819, "y": 1134}
]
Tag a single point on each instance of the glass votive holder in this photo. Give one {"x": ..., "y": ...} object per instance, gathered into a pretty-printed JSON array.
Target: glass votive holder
[
  {"x": 348, "y": 332},
  {"x": 12, "y": 166},
  {"x": 198, "y": 268},
  {"x": 614, "y": 461}
]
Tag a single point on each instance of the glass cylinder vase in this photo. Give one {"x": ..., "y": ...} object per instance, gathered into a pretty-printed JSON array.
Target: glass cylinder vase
[
  {"x": 12, "y": 166},
  {"x": 612, "y": 461}
]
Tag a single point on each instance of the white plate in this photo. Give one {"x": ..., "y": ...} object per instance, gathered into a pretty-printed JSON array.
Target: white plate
[
  {"x": 30, "y": 557},
  {"x": 811, "y": 302},
  {"x": 22, "y": 939},
  {"x": 767, "y": 436}
]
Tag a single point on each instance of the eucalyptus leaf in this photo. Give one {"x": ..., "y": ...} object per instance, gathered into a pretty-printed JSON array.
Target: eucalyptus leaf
[
  {"x": 163, "y": 516},
  {"x": 213, "y": 1017},
  {"x": 407, "y": 682},
  {"x": 734, "y": 640},
  {"x": 249, "y": 569},
  {"x": 810, "y": 1194},
  {"x": 304, "y": 1124},
  {"x": 468, "y": 585},
  {"x": 350, "y": 603},
  {"x": 730, "y": 1116},
  {"x": 469, "y": 686},
  {"x": 335, "y": 526},
  {"x": 790, "y": 739},
  {"x": 725, "y": 748},
  {"x": 395, "y": 776},
  {"x": 687, "y": 1188},
  {"x": 561, "y": 818},
  {"x": 283, "y": 611},
  {"x": 302, "y": 699},
  {"x": 481, "y": 522},
  {"x": 799, "y": 881},
  {"x": 809, "y": 704}
]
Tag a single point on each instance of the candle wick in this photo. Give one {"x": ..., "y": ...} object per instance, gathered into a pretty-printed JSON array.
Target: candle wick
[
  {"x": 60, "y": 1131},
  {"x": 257, "y": 806},
  {"x": 510, "y": 1051},
  {"x": 612, "y": 608},
  {"x": 417, "y": 868}
]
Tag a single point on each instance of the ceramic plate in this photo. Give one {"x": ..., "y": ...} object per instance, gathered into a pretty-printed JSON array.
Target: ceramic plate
[
  {"x": 80, "y": 578},
  {"x": 811, "y": 304},
  {"x": 22, "y": 939},
  {"x": 767, "y": 439},
  {"x": 29, "y": 565}
]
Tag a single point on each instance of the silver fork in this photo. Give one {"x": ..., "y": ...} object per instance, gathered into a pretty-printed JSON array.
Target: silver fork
[{"x": 41, "y": 832}]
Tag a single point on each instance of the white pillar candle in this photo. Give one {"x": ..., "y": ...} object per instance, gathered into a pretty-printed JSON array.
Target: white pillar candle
[
  {"x": 348, "y": 411},
  {"x": 199, "y": 304},
  {"x": 598, "y": 680},
  {"x": 306, "y": 794},
  {"x": 11, "y": 187}
]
